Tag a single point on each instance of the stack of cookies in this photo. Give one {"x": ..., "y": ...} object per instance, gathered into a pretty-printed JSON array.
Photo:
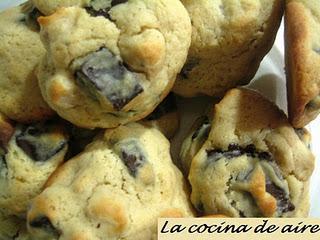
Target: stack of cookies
[{"x": 88, "y": 113}]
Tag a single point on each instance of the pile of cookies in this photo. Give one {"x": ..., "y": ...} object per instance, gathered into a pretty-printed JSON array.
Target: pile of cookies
[{"x": 87, "y": 112}]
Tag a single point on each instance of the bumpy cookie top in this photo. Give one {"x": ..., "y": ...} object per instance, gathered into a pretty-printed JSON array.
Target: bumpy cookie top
[
  {"x": 106, "y": 66},
  {"x": 115, "y": 189},
  {"x": 28, "y": 156},
  {"x": 253, "y": 163},
  {"x": 229, "y": 39}
]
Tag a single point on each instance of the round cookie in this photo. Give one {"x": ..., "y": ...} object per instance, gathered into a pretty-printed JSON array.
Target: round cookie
[
  {"x": 20, "y": 53},
  {"x": 28, "y": 156},
  {"x": 302, "y": 53},
  {"x": 107, "y": 67},
  {"x": 253, "y": 164},
  {"x": 165, "y": 117},
  {"x": 116, "y": 189},
  {"x": 229, "y": 40}
]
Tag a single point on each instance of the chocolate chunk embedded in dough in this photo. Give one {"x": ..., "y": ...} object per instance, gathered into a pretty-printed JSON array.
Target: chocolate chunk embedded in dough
[
  {"x": 132, "y": 155},
  {"x": 45, "y": 224},
  {"x": 40, "y": 141},
  {"x": 103, "y": 75},
  {"x": 101, "y": 8},
  {"x": 284, "y": 203},
  {"x": 234, "y": 150}
]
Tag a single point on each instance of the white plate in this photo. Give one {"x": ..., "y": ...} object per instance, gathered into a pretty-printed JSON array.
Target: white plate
[{"x": 270, "y": 80}]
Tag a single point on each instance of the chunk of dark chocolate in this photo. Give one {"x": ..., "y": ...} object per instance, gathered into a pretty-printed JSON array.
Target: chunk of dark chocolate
[
  {"x": 40, "y": 141},
  {"x": 234, "y": 150},
  {"x": 104, "y": 76},
  {"x": 99, "y": 12},
  {"x": 101, "y": 8},
  {"x": 45, "y": 224},
  {"x": 166, "y": 106},
  {"x": 131, "y": 155},
  {"x": 283, "y": 202}
]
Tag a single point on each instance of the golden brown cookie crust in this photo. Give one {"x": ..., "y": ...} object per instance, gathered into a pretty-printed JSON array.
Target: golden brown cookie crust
[{"x": 302, "y": 39}]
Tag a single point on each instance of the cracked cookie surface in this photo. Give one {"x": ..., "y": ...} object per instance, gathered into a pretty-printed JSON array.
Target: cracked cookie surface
[
  {"x": 124, "y": 65},
  {"x": 116, "y": 189},
  {"x": 252, "y": 163},
  {"x": 20, "y": 53},
  {"x": 28, "y": 156},
  {"x": 302, "y": 53},
  {"x": 229, "y": 40}
]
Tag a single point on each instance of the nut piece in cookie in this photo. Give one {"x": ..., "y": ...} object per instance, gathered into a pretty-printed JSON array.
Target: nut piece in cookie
[
  {"x": 106, "y": 67},
  {"x": 302, "y": 53},
  {"x": 165, "y": 117},
  {"x": 252, "y": 162},
  {"x": 20, "y": 52},
  {"x": 28, "y": 156},
  {"x": 229, "y": 40},
  {"x": 116, "y": 188}
]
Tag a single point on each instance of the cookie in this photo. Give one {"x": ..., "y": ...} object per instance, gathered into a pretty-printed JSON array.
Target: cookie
[
  {"x": 28, "y": 156},
  {"x": 116, "y": 189},
  {"x": 165, "y": 117},
  {"x": 107, "y": 67},
  {"x": 302, "y": 54},
  {"x": 20, "y": 53},
  {"x": 253, "y": 163},
  {"x": 229, "y": 40}
]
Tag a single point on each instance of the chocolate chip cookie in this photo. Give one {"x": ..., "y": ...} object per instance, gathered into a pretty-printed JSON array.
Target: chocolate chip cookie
[
  {"x": 20, "y": 53},
  {"x": 28, "y": 156},
  {"x": 252, "y": 163},
  {"x": 229, "y": 40},
  {"x": 107, "y": 66},
  {"x": 302, "y": 44},
  {"x": 116, "y": 189}
]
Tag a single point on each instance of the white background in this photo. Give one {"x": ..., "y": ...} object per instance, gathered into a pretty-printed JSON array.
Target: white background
[{"x": 270, "y": 80}]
